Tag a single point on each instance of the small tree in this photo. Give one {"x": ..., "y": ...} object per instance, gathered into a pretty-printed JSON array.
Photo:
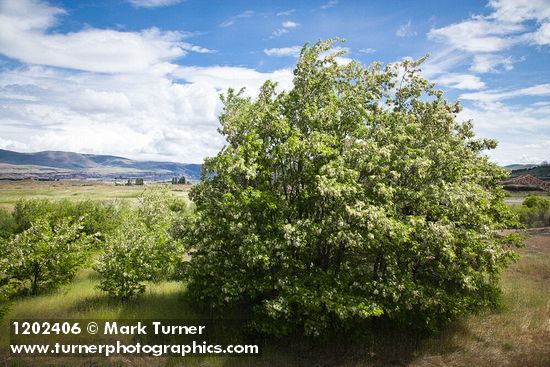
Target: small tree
[
  {"x": 139, "y": 181},
  {"x": 352, "y": 196},
  {"x": 129, "y": 260},
  {"x": 182, "y": 180},
  {"x": 45, "y": 255},
  {"x": 141, "y": 249}
]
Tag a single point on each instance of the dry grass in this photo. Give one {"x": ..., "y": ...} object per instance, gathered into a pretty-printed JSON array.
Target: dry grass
[{"x": 518, "y": 335}]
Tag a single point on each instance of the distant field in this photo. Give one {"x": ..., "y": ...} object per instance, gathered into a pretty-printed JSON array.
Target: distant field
[{"x": 11, "y": 191}]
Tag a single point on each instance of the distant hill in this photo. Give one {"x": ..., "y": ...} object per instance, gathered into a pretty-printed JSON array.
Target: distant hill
[
  {"x": 513, "y": 167},
  {"x": 60, "y": 165},
  {"x": 541, "y": 172},
  {"x": 526, "y": 181}
]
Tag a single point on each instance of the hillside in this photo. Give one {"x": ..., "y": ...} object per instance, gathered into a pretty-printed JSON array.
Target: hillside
[
  {"x": 541, "y": 172},
  {"x": 526, "y": 182},
  {"x": 64, "y": 165}
]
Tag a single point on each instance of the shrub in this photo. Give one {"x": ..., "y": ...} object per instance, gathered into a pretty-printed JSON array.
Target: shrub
[
  {"x": 352, "y": 196},
  {"x": 141, "y": 249},
  {"x": 535, "y": 212},
  {"x": 8, "y": 225},
  {"x": 97, "y": 218},
  {"x": 45, "y": 255},
  {"x": 131, "y": 257}
]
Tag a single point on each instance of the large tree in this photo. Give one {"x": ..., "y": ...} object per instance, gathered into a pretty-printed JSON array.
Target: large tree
[{"x": 353, "y": 195}]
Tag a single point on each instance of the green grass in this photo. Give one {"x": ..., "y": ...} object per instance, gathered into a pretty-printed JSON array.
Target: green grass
[
  {"x": 11, "y": 191},
  {"x": 517, "y": 335}
]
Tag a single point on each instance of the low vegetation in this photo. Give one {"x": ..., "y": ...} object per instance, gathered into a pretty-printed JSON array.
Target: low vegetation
[
  {"x": 142, "y": 249},
  {"x": 534, "y": 212}
]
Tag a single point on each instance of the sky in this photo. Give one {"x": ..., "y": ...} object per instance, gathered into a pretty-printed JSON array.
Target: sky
[{"x": 142, "y": 78}]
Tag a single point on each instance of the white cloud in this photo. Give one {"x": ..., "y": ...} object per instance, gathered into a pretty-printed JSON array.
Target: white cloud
[
  {"x": 330, "y": 4},
  {"x": 224, "y": 77},
  {"x": 290, "y": 24},
  {"x": 478, "y": 35},
  {"x": 153, "y": 3},
  {"x": 284, "y": 51},
  {"x": 485, "y": 63},
  {"x": 286, "y": 12},
  {"x": 542, "y": 35},
  {"x": 540, "y": 90},
  {"x": 232, "y": 20},
  {"x": 405, "y": 30},
  {"x": 441, "y": 61},
  {"x": 460, "y": 81},
  {"x": 522, "y": 132},
  {"x": 367, "y": 50},
  {"x": 517, "y": 11},
  {"x": 11, "y": 145},
  {"x": 24, "y": 36},
  {"x": 285, "y": 28},
  {"x": 510, "y": 23},
  {"x": 143, "y": 116}
]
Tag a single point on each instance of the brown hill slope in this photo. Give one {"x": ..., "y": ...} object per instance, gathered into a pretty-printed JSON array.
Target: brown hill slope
[{"x": 528, "y": 180}]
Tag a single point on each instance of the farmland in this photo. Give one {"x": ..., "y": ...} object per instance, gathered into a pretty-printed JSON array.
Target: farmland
[{"x": 11, "y": 191}]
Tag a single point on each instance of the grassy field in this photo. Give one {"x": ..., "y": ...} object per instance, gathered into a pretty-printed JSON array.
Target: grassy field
[
  {"x": 517, "y": 335},
  {"x": 11, "y": 191}
]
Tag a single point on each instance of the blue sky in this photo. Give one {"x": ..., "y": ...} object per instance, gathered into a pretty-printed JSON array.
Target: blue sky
[{"x": 141, "y": 78}]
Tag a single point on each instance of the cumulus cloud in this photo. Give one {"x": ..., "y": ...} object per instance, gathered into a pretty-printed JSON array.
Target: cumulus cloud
[
  {"x": 460, "y": 81},
  {"x": 24, "y": 36},
  {"x": 486, "y": 63},
  {"x": 105, "y": 91},
  {"x": 153, "y": 3},
  {"x": 510, "y": 23},
  {"x": 478, "y": 35},
  {"x": 144, "y": 116},
  {"x": 522, "y": 131}
]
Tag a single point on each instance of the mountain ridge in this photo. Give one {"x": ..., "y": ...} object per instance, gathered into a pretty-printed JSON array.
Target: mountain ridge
[{"x": 39, "y": 165}]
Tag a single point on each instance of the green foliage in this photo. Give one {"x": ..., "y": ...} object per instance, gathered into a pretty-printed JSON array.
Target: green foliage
[
  {"x": 535, "y": 211},
  {"x": 179, "y": 181},
  {"x": 8, "y": 225},
  {"x": 354, "y": 195},
  {"x": 141, "y": 249},
  {"x": 533, "y": 201},
  {"x": 7, "y": 289},
  {"x": 97, "y": 218},
  {"x": 45, "y": 255}
]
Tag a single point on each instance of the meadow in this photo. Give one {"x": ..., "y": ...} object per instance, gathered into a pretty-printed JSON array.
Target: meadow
[
  {"x": 518, "y": 334},
  {"x": 11, "y": 191}
]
